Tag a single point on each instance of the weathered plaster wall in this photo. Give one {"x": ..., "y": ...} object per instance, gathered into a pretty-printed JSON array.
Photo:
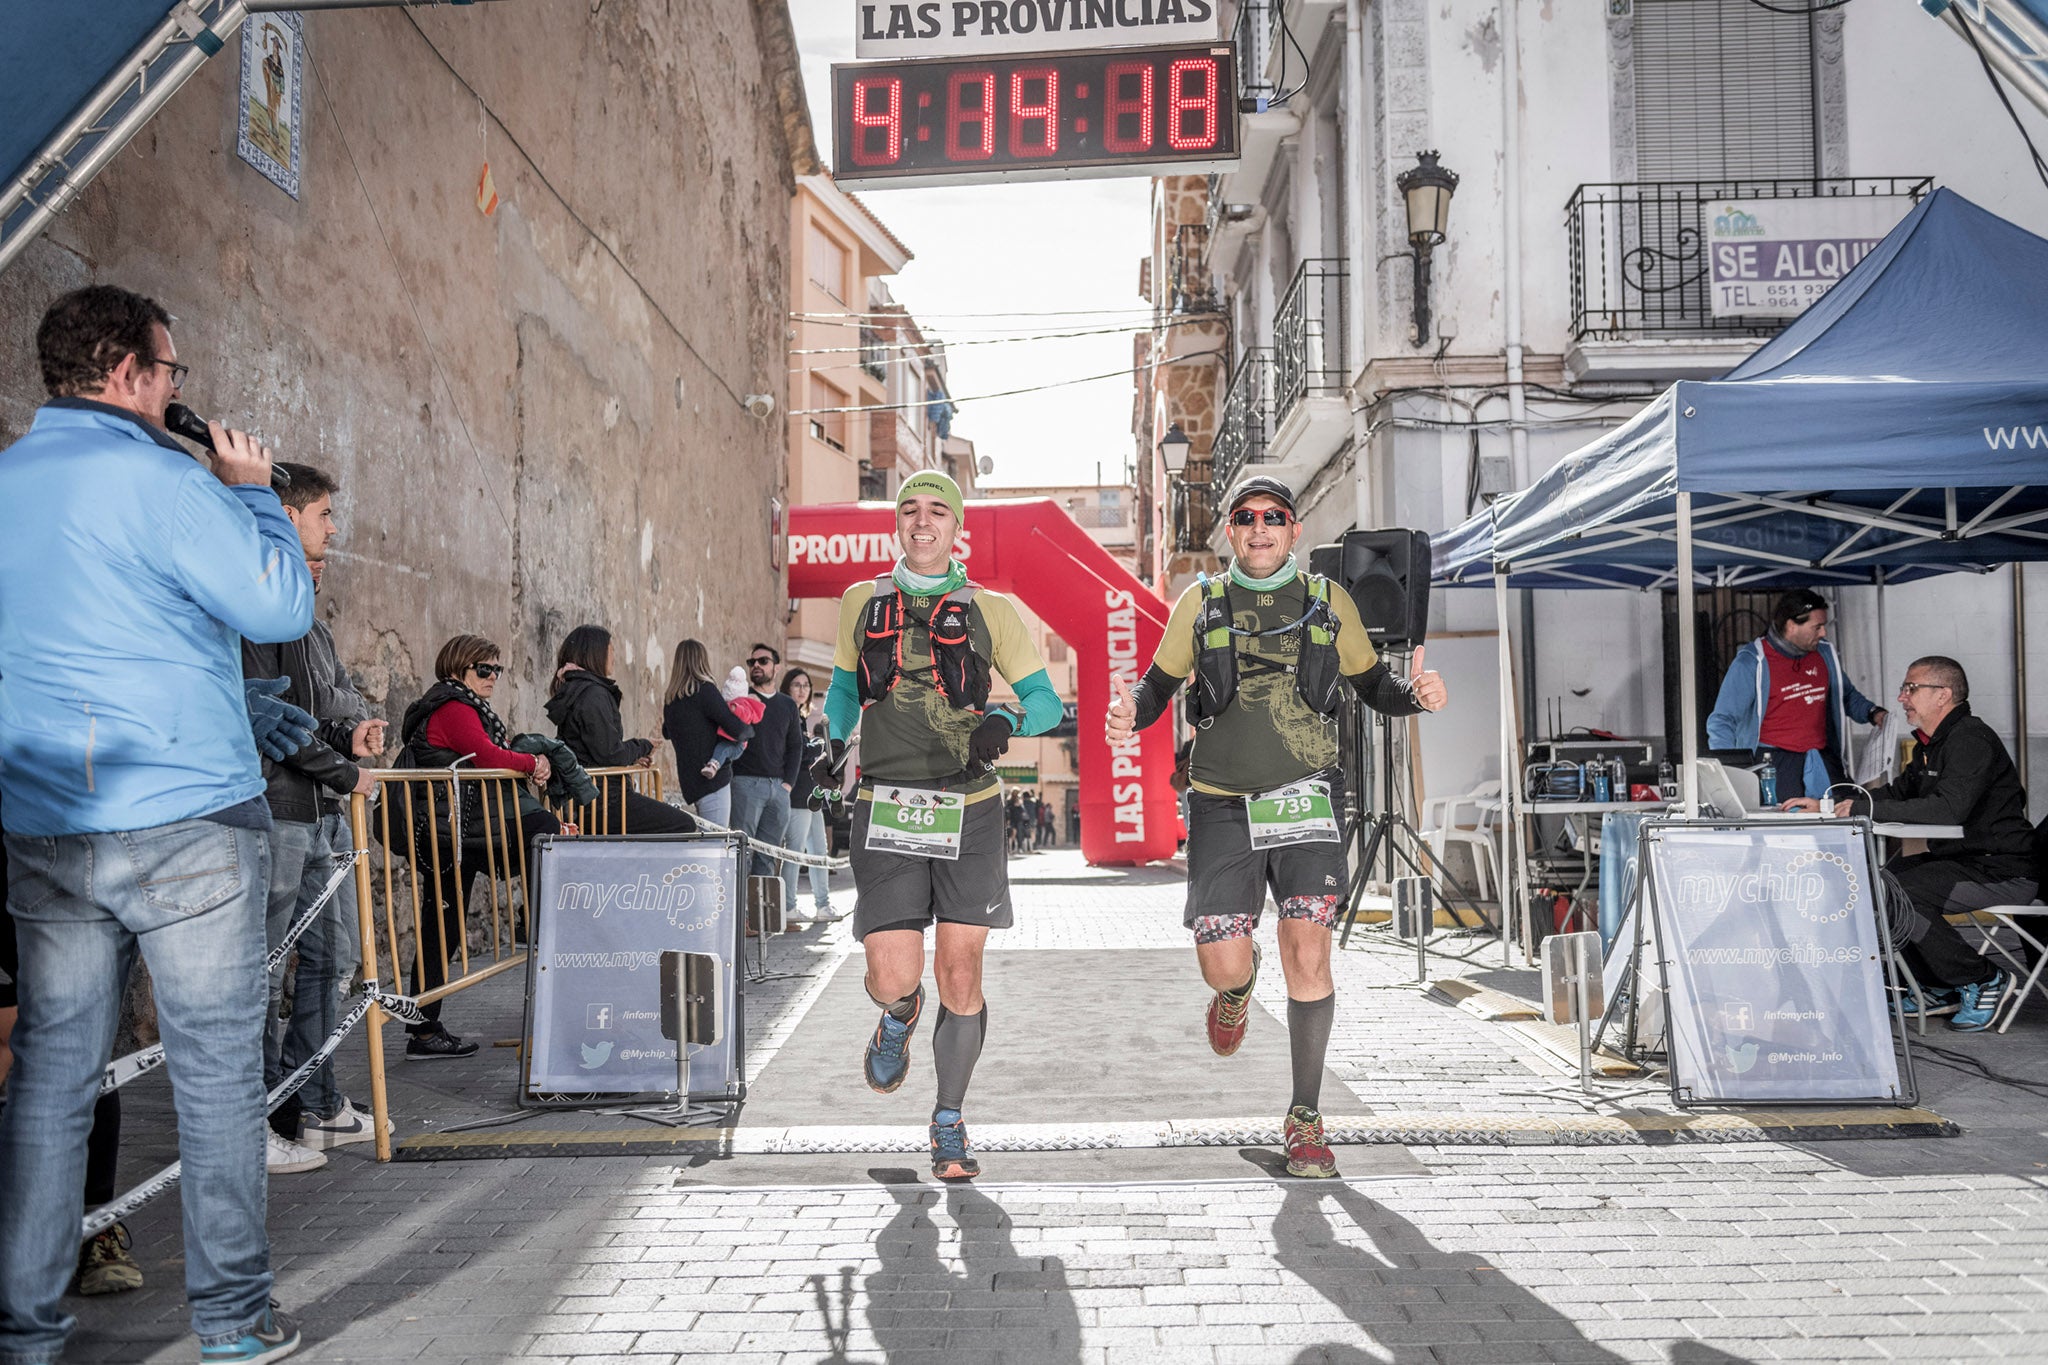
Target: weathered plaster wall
[{"x": 535, "y": 415}]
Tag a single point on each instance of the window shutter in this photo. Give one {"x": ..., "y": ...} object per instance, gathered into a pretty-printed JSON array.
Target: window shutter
[{"x": 1723, "y": 90}]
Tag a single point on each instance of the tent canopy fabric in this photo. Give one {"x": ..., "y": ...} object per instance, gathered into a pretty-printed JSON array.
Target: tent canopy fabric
[{"x": 1898, "y": 427}]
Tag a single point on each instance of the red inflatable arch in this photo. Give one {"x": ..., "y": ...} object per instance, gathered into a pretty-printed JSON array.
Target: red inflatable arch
[{"x": 1031, "y": 549}]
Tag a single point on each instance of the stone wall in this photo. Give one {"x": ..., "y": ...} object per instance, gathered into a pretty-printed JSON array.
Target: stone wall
[{"x": 536, "y": 415}]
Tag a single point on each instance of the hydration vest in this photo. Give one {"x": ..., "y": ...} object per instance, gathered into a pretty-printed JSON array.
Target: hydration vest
[
  {"x": 956, "y": 673},
  {"x": 1318, "y": 677}
]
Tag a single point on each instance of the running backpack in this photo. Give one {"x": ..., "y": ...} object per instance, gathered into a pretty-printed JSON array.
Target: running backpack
[
  {"x": 1318, "y": 677},
  {"x": 956, "y": 672}
]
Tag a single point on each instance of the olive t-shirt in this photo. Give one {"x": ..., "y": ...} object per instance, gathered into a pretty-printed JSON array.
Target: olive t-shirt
[
  {"x": 1267, "y": 737},
  {"x": 914, "y": 734}
]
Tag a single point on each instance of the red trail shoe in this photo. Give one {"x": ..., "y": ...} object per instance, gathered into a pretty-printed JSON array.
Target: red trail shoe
[
  {"x": 1307, "y": 1154},
  {"x": 1230, "y": 1014}
]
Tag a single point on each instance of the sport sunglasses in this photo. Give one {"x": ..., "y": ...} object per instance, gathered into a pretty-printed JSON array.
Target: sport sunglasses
[{"x": 1272, "y": 516}]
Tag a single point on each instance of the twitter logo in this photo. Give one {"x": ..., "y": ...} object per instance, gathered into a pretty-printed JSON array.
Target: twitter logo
[{"x": 596, "y": 1055}]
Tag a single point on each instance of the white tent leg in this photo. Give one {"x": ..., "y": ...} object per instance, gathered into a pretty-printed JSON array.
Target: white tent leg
[
  {"x": 1514, "y": 851},
  {"x": 1688, "y": 666}
]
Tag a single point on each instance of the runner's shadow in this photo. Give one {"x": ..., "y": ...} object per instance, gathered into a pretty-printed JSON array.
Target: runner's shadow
[
  {"x": 997, "y": 1305},
  {"x": 1399, "y": 1281}
]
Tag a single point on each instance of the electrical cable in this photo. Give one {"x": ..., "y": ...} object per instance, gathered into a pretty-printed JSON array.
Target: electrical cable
[
  {"x": 986, "y": 313},
  {"x": 1799, "y": 11},
  {"x": 1998, "y": 88},
  {"x": 1004, "y": 340},
  {"x": 1011, "y": 393}
]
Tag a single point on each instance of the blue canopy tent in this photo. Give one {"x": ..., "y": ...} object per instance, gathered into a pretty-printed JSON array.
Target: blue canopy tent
[{"x": 1898, "y": 428}]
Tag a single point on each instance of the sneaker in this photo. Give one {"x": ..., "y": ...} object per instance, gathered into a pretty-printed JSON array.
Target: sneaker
[
  {"x": 104, "y": 1265},
  {"x": 952, "y": 1156},
  {"x": 1940, "y": 1000},
  {"x": 1230, "y": 1014},
  {"x": 1980, "y": 1002},
  {"x": 349, "y": 1125},
  {"x": 285, "y": 1157},
  {"x": 1307, "y": 1154},
  {"x": 887, "y": 1060},
  {"x": 273, "y": 1338},
  {"x": 437, "y": 1047}
]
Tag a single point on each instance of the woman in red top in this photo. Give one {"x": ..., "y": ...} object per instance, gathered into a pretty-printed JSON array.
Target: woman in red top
[{"x": 451, "y": 723}]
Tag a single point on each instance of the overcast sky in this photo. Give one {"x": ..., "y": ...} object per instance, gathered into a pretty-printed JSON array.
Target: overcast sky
[{"x": 1001, "y": 250}]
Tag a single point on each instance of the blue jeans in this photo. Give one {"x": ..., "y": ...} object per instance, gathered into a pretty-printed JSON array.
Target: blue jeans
[
  {"x": 760, "y": 810},
  {"x": 717, "y": 806},
  {"x": 191, "y": 896},
  {"x": 806, "y": 834},
  {"x": 328, "y": 953},
  {"x": 291, "y": 846}
]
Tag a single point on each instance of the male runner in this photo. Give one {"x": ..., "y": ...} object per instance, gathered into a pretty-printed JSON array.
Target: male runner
[
  {"x": 912, "y": 670},
  {"x": 1268, "y": 647}
]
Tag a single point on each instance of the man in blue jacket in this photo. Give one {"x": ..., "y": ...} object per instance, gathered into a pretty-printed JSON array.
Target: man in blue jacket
[
  {"x": 1786, "y": 699},
  {"x": 134, "y": 799}
]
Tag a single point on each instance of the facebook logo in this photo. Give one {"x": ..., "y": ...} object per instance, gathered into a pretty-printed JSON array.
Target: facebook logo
[{"x": 597, "y": 1016}]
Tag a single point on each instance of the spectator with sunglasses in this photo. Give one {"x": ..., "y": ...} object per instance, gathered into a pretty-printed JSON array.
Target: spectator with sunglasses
[{"x": 764, "y": 776}]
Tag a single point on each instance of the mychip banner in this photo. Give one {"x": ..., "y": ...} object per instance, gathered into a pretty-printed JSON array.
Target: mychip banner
[
  {"x": 1773, "y": 969},
  {"x": 1774, "y": 257},
  {"x": 605, "y": 911}
]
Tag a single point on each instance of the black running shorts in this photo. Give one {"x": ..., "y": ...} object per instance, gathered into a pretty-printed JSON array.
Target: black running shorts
[
  {"x": 903, "y": 891},
  {"x": 1228, "y": 877}
]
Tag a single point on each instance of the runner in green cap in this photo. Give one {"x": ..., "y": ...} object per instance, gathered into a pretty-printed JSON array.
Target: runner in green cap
[
  {"x": 916, "y": 652},
  {"x": 1269, "y": 649}
]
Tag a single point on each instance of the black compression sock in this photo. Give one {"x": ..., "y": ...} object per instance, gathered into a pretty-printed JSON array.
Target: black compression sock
[
  {"x": 956, "y": 1046},
  {"x": 904, "y": 1010},
  {"x": 1308, "y": 1040}
]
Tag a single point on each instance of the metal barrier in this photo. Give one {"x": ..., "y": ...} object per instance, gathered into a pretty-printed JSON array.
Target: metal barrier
[{"x": 594, "y": 817}]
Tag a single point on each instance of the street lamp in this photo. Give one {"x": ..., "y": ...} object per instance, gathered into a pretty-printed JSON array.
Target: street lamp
[
  {"x": 1427, "y": 188},
  {"x": 1173, "y": 450}
]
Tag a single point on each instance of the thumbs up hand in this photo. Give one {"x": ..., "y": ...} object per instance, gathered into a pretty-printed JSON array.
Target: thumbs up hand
[
  {"x": 1429, "y": 687},
  {"x": 1123, "y": 711}
]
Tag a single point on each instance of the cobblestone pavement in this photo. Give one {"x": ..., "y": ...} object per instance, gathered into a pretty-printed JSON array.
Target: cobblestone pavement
[{"x": 1929, "y": 1250}]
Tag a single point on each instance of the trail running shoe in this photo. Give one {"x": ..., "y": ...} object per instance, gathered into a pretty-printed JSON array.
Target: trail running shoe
[
  {"x": 1307, "y": 1154},
  {"x": 1980, "y": 1002},
  {"x": 104, "y": 1265},
  {"x": 952, "y": 1156},
  {"x": 273, "y": 1338},
  {"x": 1940, "y": 1000},
  {"x": 1230, "y": 1013},
  {"x": 887, "y": 1060}
]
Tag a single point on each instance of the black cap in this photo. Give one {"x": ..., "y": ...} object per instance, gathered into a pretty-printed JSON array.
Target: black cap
[{"x": 1271, "y": 487}]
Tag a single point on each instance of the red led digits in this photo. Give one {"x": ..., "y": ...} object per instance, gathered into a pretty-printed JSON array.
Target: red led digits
[
  {"x": 1191, "y": 98},
  {"x": 971, "y": 116},
  {"x": 1045, "y": 113},
  {"x": 1127, "y": 103},
  {"x": 877, "y": 106}
]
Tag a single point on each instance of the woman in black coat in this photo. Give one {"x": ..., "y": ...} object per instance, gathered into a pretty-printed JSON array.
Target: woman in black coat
[
  {"x": 691, "y": 719},
  {"x": 584, "y": 706}
]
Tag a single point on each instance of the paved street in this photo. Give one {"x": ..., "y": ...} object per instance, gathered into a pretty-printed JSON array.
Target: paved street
[{"x": 1925, "y": 1249}]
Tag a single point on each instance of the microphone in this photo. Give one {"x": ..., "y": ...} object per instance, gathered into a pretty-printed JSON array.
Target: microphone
[{"x": 180, "y": 420}]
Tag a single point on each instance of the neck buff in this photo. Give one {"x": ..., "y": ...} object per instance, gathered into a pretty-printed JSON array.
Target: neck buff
[
  {"x": 1280, "y": 579},
  {"x": 1786, "y": 647},
  {"x": 919, "y": 585}
]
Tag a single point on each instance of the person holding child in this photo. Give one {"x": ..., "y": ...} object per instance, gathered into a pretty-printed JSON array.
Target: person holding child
[{"x": 697, "y": 722}]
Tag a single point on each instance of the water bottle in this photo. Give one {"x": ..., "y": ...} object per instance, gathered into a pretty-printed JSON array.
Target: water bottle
[
  {"x": 1667, "y": 780},
  {"x": 1767, "y": 785},
  {"x": 1601, "y": 790}
]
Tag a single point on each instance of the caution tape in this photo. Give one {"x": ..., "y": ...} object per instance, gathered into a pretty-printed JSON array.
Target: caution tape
[
  {"x": 122, "y": 1070},
  {"x": 398, "y": 1006},
  {"x": 788, "y": 855}
]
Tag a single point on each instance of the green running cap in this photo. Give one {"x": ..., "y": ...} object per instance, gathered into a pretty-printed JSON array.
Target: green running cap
[{"x": 932, "y": 484}]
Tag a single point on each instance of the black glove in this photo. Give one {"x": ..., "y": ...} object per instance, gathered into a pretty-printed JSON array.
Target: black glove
[
  {"x": 991, "y": 739},
  {"x": 825, "y": 784}
]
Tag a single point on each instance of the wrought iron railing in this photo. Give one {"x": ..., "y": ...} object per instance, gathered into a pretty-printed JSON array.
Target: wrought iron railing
[
  {"x": 1639, "y": 264},
  {"x": 1194, "y": 514},
  {"x": 1241, "y": 435},
  {"x": 874, "y": 355},
  {"x": 1194, "y": 290},
  {"x": 1308, "y": 336}
]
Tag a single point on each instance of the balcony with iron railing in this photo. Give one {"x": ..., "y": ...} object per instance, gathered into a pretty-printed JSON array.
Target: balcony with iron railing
[
  {"x": 1308, "y": 336},
  {"x": 1194, "y": 514},
  {"x": 874, "y": 355},
  {"x": 1193, "y": 289},
  {"x": 1639, "y": 256},
  {"x": 1241, "y": 434}
]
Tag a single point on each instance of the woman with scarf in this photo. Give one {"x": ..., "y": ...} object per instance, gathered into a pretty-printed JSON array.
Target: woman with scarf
[
  {"x": 584, "y": 706},
  {"x": 454, "y": 722}
]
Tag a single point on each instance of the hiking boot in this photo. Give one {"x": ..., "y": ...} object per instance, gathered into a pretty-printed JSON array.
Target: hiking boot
[
  {"x": 952, "y": 1156},
  {"x": 1940, "y": 1000},
  {"x": 1307, "y": 1154},
  {"x": 349, "y": 1125},
  {"x": 438, "y": 1046},
  {"x": 284, "y": 1157},
  {"x": 1230, "y": 1014},
  {"x": 1979, "y": 1003},
  {"x": 274, "y": 1337},
  {"x": 887, "y": 1060},
  {"x": 104, "y": 1265}
]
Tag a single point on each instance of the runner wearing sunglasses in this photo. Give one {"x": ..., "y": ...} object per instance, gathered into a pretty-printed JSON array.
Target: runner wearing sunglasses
[
  {"x": 912, "y": 669},
  {"x": 1268, "y": 648}
]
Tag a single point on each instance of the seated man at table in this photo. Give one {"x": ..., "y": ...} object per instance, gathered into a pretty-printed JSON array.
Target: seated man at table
[{"x": 1960, "y": 774}]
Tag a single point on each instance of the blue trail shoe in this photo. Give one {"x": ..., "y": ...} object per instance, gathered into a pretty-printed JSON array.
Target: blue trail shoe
[
  {"x": 274, "y": 1338},
  {"x": 1980, "y": 1002},
  {"x": 1940, "y": 1000},
  {"x": 952, "y": 1156},
  {"x": 887, "y": 1060}
]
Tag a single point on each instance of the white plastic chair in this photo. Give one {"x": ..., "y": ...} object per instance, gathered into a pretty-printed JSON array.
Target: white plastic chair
[
  {"x": 1443, "y": 819},
  {"x": 2009, "y": 916}
]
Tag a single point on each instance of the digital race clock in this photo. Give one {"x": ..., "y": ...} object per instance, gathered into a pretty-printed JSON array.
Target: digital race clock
[{"x": 1062, "y": 115}]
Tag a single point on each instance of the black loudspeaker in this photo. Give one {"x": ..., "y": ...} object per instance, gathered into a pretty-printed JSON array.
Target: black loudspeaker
[{"x": 1387, "y": 575}]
